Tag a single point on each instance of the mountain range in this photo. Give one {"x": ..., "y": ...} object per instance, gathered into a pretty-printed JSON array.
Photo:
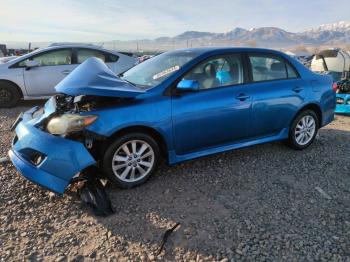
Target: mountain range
[
  {"x": 328, "y": 34},
  {"x": 336, "y": 34}
]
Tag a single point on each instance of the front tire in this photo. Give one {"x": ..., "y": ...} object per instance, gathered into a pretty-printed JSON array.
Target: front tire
[
  {"x": 303, "y": 130},
  {"x": 9, "y": 95},
  {"x": 131, "y": 159}
]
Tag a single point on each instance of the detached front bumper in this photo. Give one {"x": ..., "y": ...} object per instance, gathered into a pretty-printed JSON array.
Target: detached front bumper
[
  {"x": 342, "y": 106},
  {"x": 342, "y": 109},
  {"x": 48, "y": 160}
]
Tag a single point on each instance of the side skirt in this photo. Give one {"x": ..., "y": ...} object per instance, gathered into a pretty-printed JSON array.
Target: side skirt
[{"x": 174, "y": 158}]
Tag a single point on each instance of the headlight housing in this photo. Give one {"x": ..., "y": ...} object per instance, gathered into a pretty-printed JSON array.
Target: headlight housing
[
  {"x": 348, "y": 102},
  {"x": 68, "y": 123}
]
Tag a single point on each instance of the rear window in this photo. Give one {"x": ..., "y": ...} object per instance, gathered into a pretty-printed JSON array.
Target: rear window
[
  {"x": 268, "y": 67},
  {"x": 291, "y": 71},
  {"x": 83, "y": 54},
  {"x": 265, "y": 67}
]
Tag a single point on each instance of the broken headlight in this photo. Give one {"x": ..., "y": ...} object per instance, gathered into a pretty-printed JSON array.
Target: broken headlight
[{"x": 68, "y": 123}]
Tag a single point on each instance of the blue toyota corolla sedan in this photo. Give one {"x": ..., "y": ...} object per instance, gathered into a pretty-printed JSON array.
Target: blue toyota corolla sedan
[{"x": 177, "y": 106}]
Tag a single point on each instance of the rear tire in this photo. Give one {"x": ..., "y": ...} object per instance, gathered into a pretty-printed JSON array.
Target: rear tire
[
  {"x": 9, "y": 95},
  {"x": 131, "y": 159},
  {"x": 303, "y": 130}
]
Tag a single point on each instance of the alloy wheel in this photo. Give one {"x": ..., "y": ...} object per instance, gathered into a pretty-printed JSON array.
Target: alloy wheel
[
  {"x": 133, "y": 160},
  {"x": 305, "y": 130}
]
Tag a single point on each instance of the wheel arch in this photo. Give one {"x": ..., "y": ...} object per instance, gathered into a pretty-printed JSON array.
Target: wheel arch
[
  {"x": 156, "y": 135},
  {"x": 14, "y": 84},
  {"x": 314, "y": 107}
]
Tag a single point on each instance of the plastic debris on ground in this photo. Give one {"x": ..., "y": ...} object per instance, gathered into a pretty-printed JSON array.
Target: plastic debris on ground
[{"x": 93, "y": 194}]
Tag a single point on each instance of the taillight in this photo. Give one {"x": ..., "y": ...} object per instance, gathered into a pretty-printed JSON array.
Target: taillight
[{"x": 335, "y": 87}]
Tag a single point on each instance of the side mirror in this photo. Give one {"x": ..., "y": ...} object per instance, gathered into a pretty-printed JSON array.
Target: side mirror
[
  {"x": 31, "y": 63},
  {"x": 188, "y": 85}
]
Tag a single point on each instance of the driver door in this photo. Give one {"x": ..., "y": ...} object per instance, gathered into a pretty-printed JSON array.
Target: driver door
[{"x": 218, "y": 113}]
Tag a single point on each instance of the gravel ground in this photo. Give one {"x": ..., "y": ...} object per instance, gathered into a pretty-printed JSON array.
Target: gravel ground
[{"x": 266, "y": 202}]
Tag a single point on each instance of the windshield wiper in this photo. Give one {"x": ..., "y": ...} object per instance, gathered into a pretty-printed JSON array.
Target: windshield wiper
[{"x": 128, "y": 81}]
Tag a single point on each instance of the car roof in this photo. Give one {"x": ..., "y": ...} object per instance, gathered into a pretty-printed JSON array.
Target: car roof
[
  {"x": 204, "y": 50},
  {"x": 62, "y": 46}
]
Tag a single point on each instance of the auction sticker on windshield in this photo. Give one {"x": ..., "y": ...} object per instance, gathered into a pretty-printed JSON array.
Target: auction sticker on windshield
[{"x": 166, "y": 72}]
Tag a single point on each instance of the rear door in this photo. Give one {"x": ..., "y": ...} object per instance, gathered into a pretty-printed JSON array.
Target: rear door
[
  {"x": 277, "y": 92},
  {"x": 110, "y": 59},
  {"x": 53, "y": 66}
]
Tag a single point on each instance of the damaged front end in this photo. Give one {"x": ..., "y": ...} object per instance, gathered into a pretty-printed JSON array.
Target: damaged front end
[
  {"x": 343, "y": 97},
  {"x": 48, "y": 160},
  {"x": 52, "y": 144}
]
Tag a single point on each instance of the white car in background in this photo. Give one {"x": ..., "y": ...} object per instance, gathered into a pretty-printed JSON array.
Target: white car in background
[{"x": 35, "y": 75}]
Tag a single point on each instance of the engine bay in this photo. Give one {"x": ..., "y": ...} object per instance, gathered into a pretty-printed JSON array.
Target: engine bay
[{"x": 85, "y": 103}]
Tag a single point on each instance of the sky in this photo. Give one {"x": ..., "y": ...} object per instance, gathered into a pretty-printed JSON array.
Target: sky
[{"x": 106, "y": 20}]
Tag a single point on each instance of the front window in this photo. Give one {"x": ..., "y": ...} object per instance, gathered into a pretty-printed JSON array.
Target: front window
[
  {"x": 225, "y": 70},
  {"x": 52, "y": 58},
  {"x": 155, "y": 70}
]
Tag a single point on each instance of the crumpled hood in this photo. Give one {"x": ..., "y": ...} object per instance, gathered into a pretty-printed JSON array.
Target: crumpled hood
[{"x": 93, "y": 77}]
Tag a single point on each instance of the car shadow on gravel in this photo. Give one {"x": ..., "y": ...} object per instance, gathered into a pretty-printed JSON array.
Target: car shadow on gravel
[{"x": 252, "y": 203}]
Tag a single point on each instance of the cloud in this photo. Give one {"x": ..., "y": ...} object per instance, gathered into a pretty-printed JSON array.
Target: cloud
[
  {"x": 91, "y": 21},
  {"x": 57, "y": 20},
  {"x": 65, "y": 20}
]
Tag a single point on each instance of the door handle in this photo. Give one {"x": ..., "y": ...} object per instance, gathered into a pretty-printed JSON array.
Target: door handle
[
  {"x": 66, "y": 72},
  {"x": 242, "y": 97},
  {"x": 297, "y": 89}
]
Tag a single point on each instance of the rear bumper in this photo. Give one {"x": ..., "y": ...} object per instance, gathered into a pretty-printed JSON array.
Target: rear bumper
[{"x": 60, "y": 159}]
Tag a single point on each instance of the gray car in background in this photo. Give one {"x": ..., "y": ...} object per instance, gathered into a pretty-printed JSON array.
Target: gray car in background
[{"x": 35, "y": 75}]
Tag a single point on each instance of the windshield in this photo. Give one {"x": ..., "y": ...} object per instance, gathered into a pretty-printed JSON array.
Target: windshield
[{"x": 155, "y": 70}]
